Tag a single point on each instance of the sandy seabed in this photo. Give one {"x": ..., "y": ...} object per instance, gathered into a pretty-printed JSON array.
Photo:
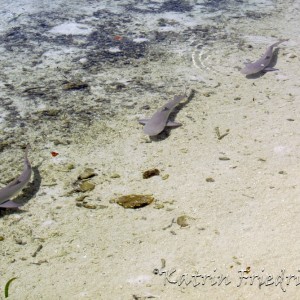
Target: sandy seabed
[{"x": 75, "y": 80}]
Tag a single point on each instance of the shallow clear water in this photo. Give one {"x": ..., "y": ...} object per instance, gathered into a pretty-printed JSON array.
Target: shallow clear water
[
  {"x": 76, "y": 76},
  {"x": 43, "y": 47}
]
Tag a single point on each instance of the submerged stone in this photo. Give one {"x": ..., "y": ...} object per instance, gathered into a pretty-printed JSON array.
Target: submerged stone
[
  {"x": 182, "y": 221},
  {"x": 134, "y": 201},
  {"x": 86, "y": 186},
  {"x": 150, "y": 173},
  {"x": 87, "y": 173}
]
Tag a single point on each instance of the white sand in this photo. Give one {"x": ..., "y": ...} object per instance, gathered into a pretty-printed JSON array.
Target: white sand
[{"x": 247, "y": 219}]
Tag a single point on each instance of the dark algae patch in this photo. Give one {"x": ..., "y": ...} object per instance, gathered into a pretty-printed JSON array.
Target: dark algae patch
[
  {"x": 166, "y": 6},
  {"x": 176, "y": 6}
]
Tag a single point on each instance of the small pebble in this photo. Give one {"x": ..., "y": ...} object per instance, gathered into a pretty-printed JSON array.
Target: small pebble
[
  {"x": 207, "y": 94},
  {"x": 87, "y": 173},
  {"x": 80, "y": 198},
  {"x": 115, "y": 175},
  {"x": 224, "y": 158},
  {"x": 89, "y": 206},
  {"x": 282, "y": 173},
  {"x": 209, "y": 179},
  {"x": 83, "y": 60},
  {"x": 20, "y": 242},
  {"x": 165, "y": 177},
  {"x": 159, "y": 206},
  {"x": 182, "y": 221},
  {"x": 150, "y": 173},
  {"x": 70, "y": 166},
  {"x": 86, "y": 186}
]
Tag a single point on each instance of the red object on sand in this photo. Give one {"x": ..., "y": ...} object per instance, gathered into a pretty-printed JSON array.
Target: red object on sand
[{"x": 117, "y": 38}]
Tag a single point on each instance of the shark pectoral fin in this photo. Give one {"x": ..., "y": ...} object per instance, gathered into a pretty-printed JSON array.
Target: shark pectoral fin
[
  {"x": 9, "y": 204},
  {"x": 143, "y": 121},
  {"x": 173, "y": 124},
  {"x": 269, "y": 69}
]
